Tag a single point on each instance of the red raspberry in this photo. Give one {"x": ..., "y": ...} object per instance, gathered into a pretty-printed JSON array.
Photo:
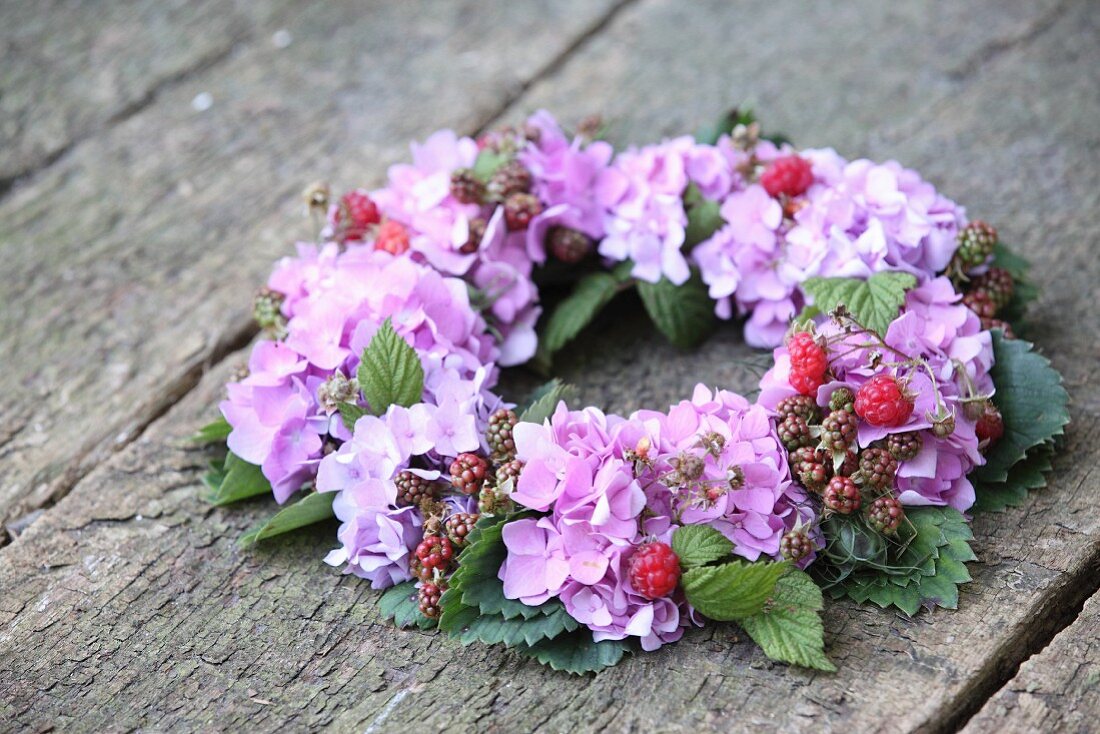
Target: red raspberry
[
  {"x": 842, "y": 495},
  {"x": 428, "y": 598},
  {"x": 392, "y": 237},
  {"x": 358, "y": 211},
  {"x": 885, "y": 515},
  {"x": 654, "y": 570},
  {"x": 881, "y": 402},
  {"x": 806, "y": 384},
  {"x": 807, "y": 356},
  {"x": 790, "y": 175},
  {"x": 990, "y": 426},
  {"x": 468, "y": 473},
  {"x": 435, "y": 551}
]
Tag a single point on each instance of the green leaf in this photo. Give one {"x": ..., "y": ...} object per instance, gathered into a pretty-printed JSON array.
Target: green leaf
[
  {"x": 350, "y": 412},
  {"x": 545, "y": 400},
  {"x": 873, "y": 302},
  {"x": 1027, "y": 474},
  {"x": 733, "y": 590},
  {"x": 239, "y": 480},
  {"x": 578, "y": 653},
  {"x": 704, "y": 218},
  {"x": 724, "y": 125},
  {"x": 390, "y": 372},
  {"x": 401, "y": 604},
  {"x": 467, "y": 624},
  {"x": 1023, "y": 292},
  {"x": 1032, "y": 401},
  {"x": 577, "y": 310},
  {"x": 487, "y": 163},
  {"x": 789, "y": 628},
  {"x": 683, "y": 313},
  {"x": 214, "y": 432},
  {"x": 313, "y": 508},
  {"x": 698, "y": 545}
]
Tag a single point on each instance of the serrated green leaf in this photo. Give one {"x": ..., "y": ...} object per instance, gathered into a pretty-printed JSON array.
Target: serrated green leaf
[
  {"x": 1032, "y": 401},
  {"x": 239, "y": 480},
  {"x": 703, "y": 216},
  {"x": 389, "y": 371},
  {"x": 732, "y": 590},
  {"x": 577, "y": 310},
  {"x": 789, "y": 628},
  {"x": 683, "y": 313},
  {"x": 578, "y": 653},
  {"x": 874, "y": 302},
  {"x": 698, "y": 545},
  {"x": 487, "y": 163},
  {"x": 349, "y": 413},
  {"x": 401, "y": 604},
  {"x": 215, "y": 431},
  {"x": 313, "y": 508},
  {"x": 1028, "y": 474},
  {"x": 545, "y": 401}
]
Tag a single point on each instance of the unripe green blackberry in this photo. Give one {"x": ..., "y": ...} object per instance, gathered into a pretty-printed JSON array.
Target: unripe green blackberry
[
  {"x": 794, "y": 433},
  {"x": 975, "y": 243},
  {"x": 795, "y": 545},
  {"x": 498, "y": 435},
  {"x": 413, "y": 489},
  {"x": 843, "y": 399},
  {"x": 878, "y": 468},
  {"x": 800, "y": 405},
  {"x": 885, "y": 515},
  {"x": 510, "y": 178},
  {"x": 998, "y": 283},
  {"x": 466, "y": 188},
  {"x": 493, "y": 501},
  {"x": 459, "y": 526},
  {"x": 568, "y": 245},
  {"x": 904, "y": 446},
  {"x": 838, "y": 431},
  {"x": 267, "y": 310}
]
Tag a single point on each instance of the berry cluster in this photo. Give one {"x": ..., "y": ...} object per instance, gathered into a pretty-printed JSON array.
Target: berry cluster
[{"x": 989, "y": 293}]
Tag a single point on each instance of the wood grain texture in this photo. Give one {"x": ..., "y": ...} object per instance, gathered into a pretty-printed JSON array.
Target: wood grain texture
[
  {"x": 1057, "y": 690},
  {"x": 130, "y": 263},
  {"x": 142, "y": 612}
]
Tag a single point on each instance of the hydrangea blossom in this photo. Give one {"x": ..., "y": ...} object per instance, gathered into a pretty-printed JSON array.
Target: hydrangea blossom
[
  {"x": 955, "y": 358},
  {"x": 610, "y": 483}
]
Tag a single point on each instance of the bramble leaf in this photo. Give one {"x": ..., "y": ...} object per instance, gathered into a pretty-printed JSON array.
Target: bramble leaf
[
  {"x": 401, "y": 604},
  {"x": 789, "y": 628},
  {"x": 545, "y": 399},
  {"x": 1029, "y": 473},
  {"x": 683, "y": 313},
  {"x": 731, "y": 591},
  {"x": 390, "y": 372},
  {"x": 577, "y": 310},
  {"x": 874, "y": 302},
  {"x": 698, "y": 545},
  {"x": 577, "y": 652}
]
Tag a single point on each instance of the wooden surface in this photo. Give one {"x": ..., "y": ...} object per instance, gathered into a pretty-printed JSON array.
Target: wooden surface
[{"x": 128, "y": 260}]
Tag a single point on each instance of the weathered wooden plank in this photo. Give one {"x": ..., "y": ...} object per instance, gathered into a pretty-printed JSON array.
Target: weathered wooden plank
[
  {"x": 144, "y": 614},
  {"x": 129, "y": 264},
  {"x": 71, "y": 68},
  {"x": 1057, "y": 690}
]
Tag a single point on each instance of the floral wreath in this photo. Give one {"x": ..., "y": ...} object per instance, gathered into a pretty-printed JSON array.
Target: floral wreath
[{"x": 898, "y": 401}]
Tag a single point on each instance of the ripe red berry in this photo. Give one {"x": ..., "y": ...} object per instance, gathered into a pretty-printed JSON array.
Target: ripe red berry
[
  {"x": 807, "y": 355},
  {"x": 790, "y": 175},
  {"x": 805, "y": 384},
  {"x": 392, "y": 237},
  {"x": 468, "y": 473},
  {"x": 435, "y": 551},
  {"x": 428, "y": 598},
  {"x": 459, "y": 526},
  {"x": 881, "y": 402},
  {"x": 358, "y": 211},
  {"x": 990, "y": 426},
  {"x": 842, "y": 495},
  {"x": 654, "y": 570}
]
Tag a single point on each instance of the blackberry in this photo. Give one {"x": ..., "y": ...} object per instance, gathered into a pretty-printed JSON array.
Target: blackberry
[
  {"x": 335, "y": 390},
  {"x": 795, "y": 545},
  {"x": 499, "y": 435},
  {"x": 838, "y": 431},
  {"x": 468, "y": 473},
  {"x": 509, "y": 471},
  {"x": 419, "y": 571},
  {"x": 814, "y": 477},
  {"x": 794, "y": 433},
  {"x": 510, "y": 178},
  {"x": 493, "y": 501},
  {"x": 476, "y": 232},
  {"x": 428, "y": 597},
  {"x": 850, "y": 464},
  {"x": 842, "y": 495},
  {"x": 267, "y": 309},
  {"x": 980, "y": 302},
  {"x": 878, "y": 468},
  {"x": 459, "y": 526},
  {"x": 435, "y": 551},
  {"x": 568, "y": 245},
  {"x": 520, "y": 209},
  {"x": 904, "y": 446},
  {"x": 998, "y": 283},
  {"x": 466, "y": 188},
  {"x": 975, "y": 243},
  {"x": 1004, "y": 326},
  {"x": 413, "y": 489},
  {"x": 843, "y": 399},
  {"x": 800, "y": 405},
  {"x": 885, "y": 515}
]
